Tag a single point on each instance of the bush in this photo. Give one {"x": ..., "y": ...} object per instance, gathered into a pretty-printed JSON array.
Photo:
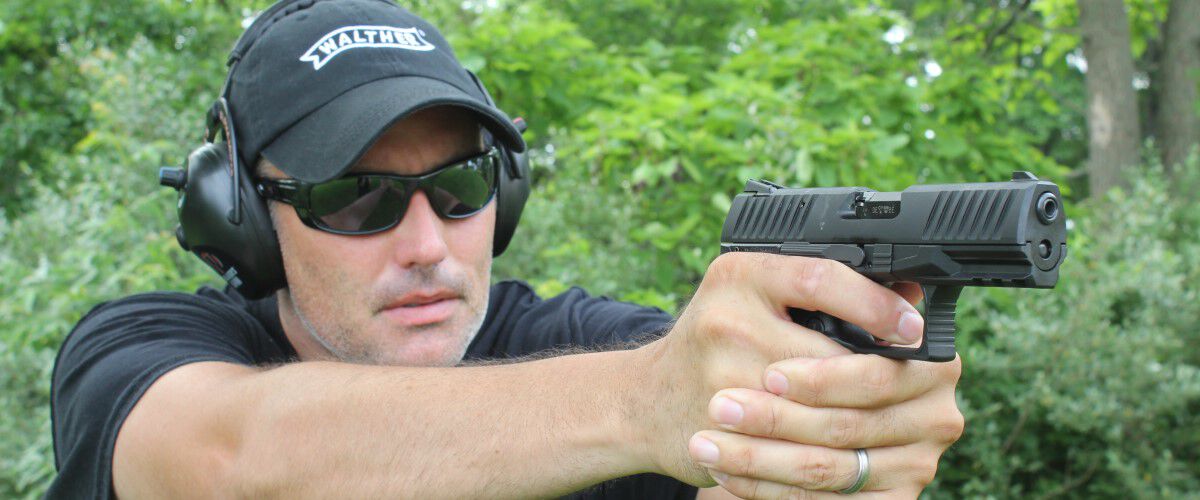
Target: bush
[
  {"x": 102, "y": 232},
  {"x": 1092, "y": 389}
]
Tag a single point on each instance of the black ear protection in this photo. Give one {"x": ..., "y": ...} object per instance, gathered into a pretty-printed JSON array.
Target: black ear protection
[
  {"x": 513, "y": 189},
  {"x": 224, "y": 221}
]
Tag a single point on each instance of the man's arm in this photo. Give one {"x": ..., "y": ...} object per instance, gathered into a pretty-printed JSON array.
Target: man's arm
[
  {"x": 318, "y": 429},
  {"x": 694, "y": 405}
]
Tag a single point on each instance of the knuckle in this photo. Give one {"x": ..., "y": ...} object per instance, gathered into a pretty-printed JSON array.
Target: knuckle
[
  {"x": 879, "y": 377},
  {"x": 945, "y": 374},
  {"x": 817, "y": 470},
  {"x": 845, "y": 428},
  {"x": 812, "y": 276},
  {"x": 773, "y": 423},
  {"x": 809, "y": 387},
  {"x": 741, "y": 462},
  {"x": 723, "y": 266},
  {"x": 715, "y": 326},
  {"x": 926, "y": 472},
  {"x": 951, "y": 427},
  {"x": 729, "y": 266},
  {"x": 953, "y": 370},
  {"x": 893, "y": 424}
]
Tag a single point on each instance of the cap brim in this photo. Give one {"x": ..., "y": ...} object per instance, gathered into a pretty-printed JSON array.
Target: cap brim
[{"x": 327, "y": 142}]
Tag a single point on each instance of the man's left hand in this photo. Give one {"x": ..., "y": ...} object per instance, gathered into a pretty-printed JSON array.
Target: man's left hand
[{"x": 797, "y": 438}]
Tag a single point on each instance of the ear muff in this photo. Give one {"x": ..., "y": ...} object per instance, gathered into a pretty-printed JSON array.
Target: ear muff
[
  {"x": 222, "y": 218},
  {"x": 514, "y": 186},
  {"x": 511, "y": 195},
  {"x": 224, "y": 221}
]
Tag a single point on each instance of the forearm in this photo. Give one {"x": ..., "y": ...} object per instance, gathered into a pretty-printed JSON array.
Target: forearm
[{"x": 529, "y": 429}]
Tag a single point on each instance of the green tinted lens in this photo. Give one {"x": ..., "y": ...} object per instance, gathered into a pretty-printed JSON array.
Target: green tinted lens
[
  {"x": 369, "y": 203},
  {"x": 462, "y": 191},
  {"x": 357, "y": 204}
]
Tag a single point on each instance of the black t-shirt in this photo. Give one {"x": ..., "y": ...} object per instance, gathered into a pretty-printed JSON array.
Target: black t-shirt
[{"x": 121, "y": 347}]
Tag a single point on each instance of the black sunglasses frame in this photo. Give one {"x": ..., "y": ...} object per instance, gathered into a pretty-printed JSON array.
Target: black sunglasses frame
[{"x": 298, "y": 193}]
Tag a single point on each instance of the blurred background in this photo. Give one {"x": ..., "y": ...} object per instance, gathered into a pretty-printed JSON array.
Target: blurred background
[{"x": 646, "y": 117}]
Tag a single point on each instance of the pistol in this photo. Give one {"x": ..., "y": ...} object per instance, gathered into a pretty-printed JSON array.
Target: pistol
[{"x": 943, "y": 237}]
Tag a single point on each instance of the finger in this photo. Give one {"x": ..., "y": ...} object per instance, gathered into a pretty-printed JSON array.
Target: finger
[
  {"x": 795, "y": 341},
  {"x": 911, "y": 292},
  {"x": 813, "y": 468},
  {"x": 857, "y": 381},
  {"x": 759, "y": 413},
  {"x": 827, "y": 286},
  {"x": 744, "y": 487},
  {"x": 803, "y": 466}
]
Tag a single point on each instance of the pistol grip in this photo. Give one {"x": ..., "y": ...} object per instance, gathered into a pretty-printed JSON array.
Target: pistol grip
[{"x": 938, "y": 339}]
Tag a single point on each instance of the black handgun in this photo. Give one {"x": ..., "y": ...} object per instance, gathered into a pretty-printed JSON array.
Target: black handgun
[{"x": 943, "y": 237}]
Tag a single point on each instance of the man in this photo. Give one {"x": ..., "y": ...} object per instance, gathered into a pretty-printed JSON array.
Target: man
[{"x": 378, "y": 157}]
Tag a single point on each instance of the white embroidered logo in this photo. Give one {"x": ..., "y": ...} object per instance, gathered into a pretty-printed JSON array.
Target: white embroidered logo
[{"x": 352, "y": 37}]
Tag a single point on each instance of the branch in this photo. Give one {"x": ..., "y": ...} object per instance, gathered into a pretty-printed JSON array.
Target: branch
[
  {"x": 992, "y": 36},
  {"x": 1077, "y": 482},
  {"x": 1049, "y": 143},
  {"x": 1016, "y": 431}
]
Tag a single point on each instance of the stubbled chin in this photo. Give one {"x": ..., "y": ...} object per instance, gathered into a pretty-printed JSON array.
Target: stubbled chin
[{"x": 433, "y": 345}]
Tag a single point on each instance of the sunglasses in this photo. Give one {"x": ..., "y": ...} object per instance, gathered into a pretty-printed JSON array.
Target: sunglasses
[{"x": 360, "y": 204}]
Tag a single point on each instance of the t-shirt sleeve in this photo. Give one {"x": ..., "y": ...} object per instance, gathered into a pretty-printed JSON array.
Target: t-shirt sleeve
[{"x": 109, "y": 360}]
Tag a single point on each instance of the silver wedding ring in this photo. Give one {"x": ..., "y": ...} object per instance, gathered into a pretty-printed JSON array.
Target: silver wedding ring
[{"x": 864, "y": 471}]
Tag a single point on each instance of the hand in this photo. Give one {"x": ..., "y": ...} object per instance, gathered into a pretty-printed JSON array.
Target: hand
[
  {"x": 796, "y": 439},
  {"x": 735, "y": 327}
]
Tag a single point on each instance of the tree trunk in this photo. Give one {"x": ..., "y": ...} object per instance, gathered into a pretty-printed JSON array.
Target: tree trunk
[
  {"x": 1178, "y": 120},
  {"x": 1113, "y": 128}
]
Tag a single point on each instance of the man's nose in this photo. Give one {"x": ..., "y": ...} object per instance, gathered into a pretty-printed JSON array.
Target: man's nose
[{"x": 420, "y": 236}]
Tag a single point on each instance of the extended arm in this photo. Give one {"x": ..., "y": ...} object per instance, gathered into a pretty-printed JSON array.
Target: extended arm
[
  {"x": 320, "y": 429},
  {"x": 694, "y": 405}
]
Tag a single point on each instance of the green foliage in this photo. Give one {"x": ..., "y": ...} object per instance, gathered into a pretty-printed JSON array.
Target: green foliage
[
  {"x": 822, "y": 101},
  {"x": 1090, "y": 390},
  {"x": 103, "y": 235},
  {"x": 646, "y": 118},
  {"x": 44, "y": 104},
  {"x": 1015, "y": 53},
  {"x": 549, "y": 86}
]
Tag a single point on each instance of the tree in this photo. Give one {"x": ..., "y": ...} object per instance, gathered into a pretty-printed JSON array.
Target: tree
[
  {"x": 1178, "y": 119},
  {"x": 1114, "y": 131}
]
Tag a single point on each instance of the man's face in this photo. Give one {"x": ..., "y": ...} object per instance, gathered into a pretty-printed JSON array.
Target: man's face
[{"x": 413, "y": 295}]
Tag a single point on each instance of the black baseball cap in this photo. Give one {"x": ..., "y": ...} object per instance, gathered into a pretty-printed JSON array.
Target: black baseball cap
[{"x": 324, "y": 78}]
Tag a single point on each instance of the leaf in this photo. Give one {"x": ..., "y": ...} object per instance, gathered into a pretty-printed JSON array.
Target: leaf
[
  {"x": 721, "y": 202},
  {"x": 883, "y": 148},
  {"x": 950, "y": 145}
]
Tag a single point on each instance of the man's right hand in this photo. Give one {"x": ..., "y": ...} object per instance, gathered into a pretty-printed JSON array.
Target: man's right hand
[{"x": 739, "y": 392}]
